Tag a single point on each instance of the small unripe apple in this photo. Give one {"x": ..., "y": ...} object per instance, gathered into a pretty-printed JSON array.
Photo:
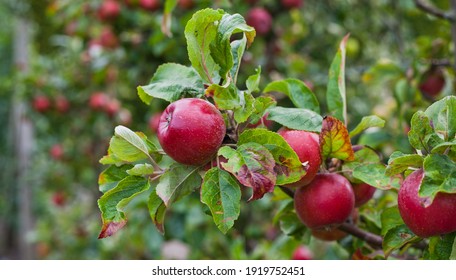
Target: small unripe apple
[
  {"x": 302, "y": 253},
  {"x": 260, "y": 19},
  {"x": 363, "y": 193},
  {"x": 307, "y": 147},
  {"x": 292, "y": 4},
  {"x": 98, "y": 100},
  {"x": 149, "y": 5},
  {"x": 432, "y": 83},
  {"x": 56, "y": 151},
  {"x": 331, "y": 234},
  {"x": 435, "y": 219},
  {"x": 191, "y": 131},
  {"x": 61, "y": 104},
  {"x": 326, "y": 202},
  {"x": 108, "y": 10},
  {"x": 154, "y": 121},
  {"x": 41, "y": 103}
]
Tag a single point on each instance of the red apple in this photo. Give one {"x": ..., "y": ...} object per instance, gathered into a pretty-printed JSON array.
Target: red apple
[
  {"x": 41, "y": 103},
  {"x": 61, "y": 104},
  {"x": 326, "y": 202},
  {"x": 112, "y": 107},
  {"x": 191, "y": 131},
  {"x": 432, "y": 83},
  {"x": 363, "y": 193},
  {"x": 108, "y": 10},
  {"x": 292, "y": 4},
  {"x": 98, "y": 100},
  {"x": 154, "y": 121},
  {"x": 56, "y": 151},
  {"x": 302, "y": 253},
  {"x": 108, "y": 39},
  {"x": 59, "y": 199},
  {"x": 149, "y": 5},
  {"x": 260, "y": 19},
  {"x": 435, "y": 219},
  {"x": 307, "y": 147}
]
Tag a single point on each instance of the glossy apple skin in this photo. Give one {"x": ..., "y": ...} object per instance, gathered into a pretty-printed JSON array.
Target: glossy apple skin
[
  {"x": 436, "y": 219},
  {"x": 302, "y": 253},
  {"x": 307, "y": 147},
  {"x": 326, "y": 202},
  {"x": 191, "y": 131},
  {"x": 432, "y": 83},
  {"x": 260, "y": 19},
  {"x": 363, "y": 193}
]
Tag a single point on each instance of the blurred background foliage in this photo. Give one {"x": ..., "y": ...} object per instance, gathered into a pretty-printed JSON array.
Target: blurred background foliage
[{"x": 83, "y": 70}]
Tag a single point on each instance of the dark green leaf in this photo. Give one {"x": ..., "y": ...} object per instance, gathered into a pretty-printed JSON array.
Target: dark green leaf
[
  {"x": 178, "y": 181},
  {"x": 335, "y": 93},
  {"x": 441, "y": 247},
  {"x": 288, "y": 167},
  {"x": 222, "y": 194},
  {"x": 420, "y": 132},
  {"x": 297, "y": 91},
  {"x": 374, "y": 175},
  {"x": 367, "y": 122},
  {"x": 172, "y": 82},
  {"x": 391, "y": 218},
  {"x": 400, "y": 162},
  {"x": 157, "y": 211},
  {"x": 439, "y": 176},
  {"x": 253, "y": 165},
  {"x": 295, "y": 118},
  {"x": 114, "y": 200},
  {"x": 398, "y": 237}
]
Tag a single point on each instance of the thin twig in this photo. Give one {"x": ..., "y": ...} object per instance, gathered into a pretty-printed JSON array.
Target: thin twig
[
  {"x": 428, "y": 8},
  {"x": 374, "y": 240}
]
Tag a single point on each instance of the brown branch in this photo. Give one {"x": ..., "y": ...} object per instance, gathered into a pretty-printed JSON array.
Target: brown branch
[
  {"x": 286, "y": 190},
  {"x": 374, "y": 240},
  {"x": 428, "y": 8}
]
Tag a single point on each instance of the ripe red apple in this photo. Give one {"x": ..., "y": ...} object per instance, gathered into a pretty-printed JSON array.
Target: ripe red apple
[
  {"x": 56, "y": 151},
  {"x": 191, "y": 130},
  {"x": 41, "y": 103},
  {"x": 292, "y": 4},
  {"x": 98, "y": 100},
  {"x": 363, "y": 193},
  {"x": 154, "y": 121},
  {"x": 432, "y": 83},
  {"x": 108, "y": 10},
  {"x": 149, "y": 5},
  {"x": 435, "y": 219},
  {"x": 112, "y": 107},
  {"x": 108, "y": 39},
  {"x": 59, "y": 199},
  {"x": 260, "y": 19},
  {"x": 61, "y": 104},
  {"x": 326, "y": 202},
  {"x": 307, "y": 147},
  {"x": 302, "y": 253}
]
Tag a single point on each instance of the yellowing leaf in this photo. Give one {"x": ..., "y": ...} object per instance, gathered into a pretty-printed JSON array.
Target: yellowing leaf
[{"x": 335, "y": 141}]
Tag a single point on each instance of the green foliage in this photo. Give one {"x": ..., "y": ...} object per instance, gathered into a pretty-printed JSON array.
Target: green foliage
[{"x": 297, "y": 91}]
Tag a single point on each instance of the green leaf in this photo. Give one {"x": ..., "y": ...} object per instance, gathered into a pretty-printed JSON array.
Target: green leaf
[
  {"x": 363, "y": 156},
  {"x": 225, "y": 97},
  {"x": 335, "y": 93},
  {"x": 453, "y": 251},
  {"x": 288, "y": 168},
  {"x": 114, "y": 200},
  {"x": 220, "y": 48},
  {"x": 127, "y": 145},
  {"x": 391, "y": 218},
  {"x": 420, "y": 132},
  {"x": 178, "y": 181},
  {"x": 200, "y": 32},
  {"x": 367, "y": 122},
  {"x": 253, "y": 81},
  {"x": 288, "y": 220},
  {"x": 111, "y": 176},
  {"x": 172, "y": 82},
  {"x": 443, "y": 117},
  {"x": 253, "y": 165},
  {"x": 243, "y": 113},
  {"x": 260, "y": 106},
  {"x": 334, "y": 140},
  {"x": 157, "y": 211},
  {"x": 222, "y": 194},
  {"x": 400, "y": 162},
  {"x": 295, "y": 118},
  {"x": 439, "y": 176},
  {"x": 297, "y": 91},
  {"x": 441, "y": 247},
  {"x": 237, "y": 50},
  {"x": 374, "y": 175},
  {"x": 166, "y": 20},
  {"x": 397, "y": 238},
  {"x": 141, "y": 169}
]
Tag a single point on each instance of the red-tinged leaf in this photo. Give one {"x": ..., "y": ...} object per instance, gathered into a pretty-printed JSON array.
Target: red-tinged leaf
[
  {"x": 110, "y": 228},
  {"x": 253, "y": 165},
  {"x": 335, "y": 141},
  {"x": 358, "y": 255}
]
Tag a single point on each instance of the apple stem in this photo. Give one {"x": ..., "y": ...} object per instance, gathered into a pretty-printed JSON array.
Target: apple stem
[{"x": 287, "y": 191}]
